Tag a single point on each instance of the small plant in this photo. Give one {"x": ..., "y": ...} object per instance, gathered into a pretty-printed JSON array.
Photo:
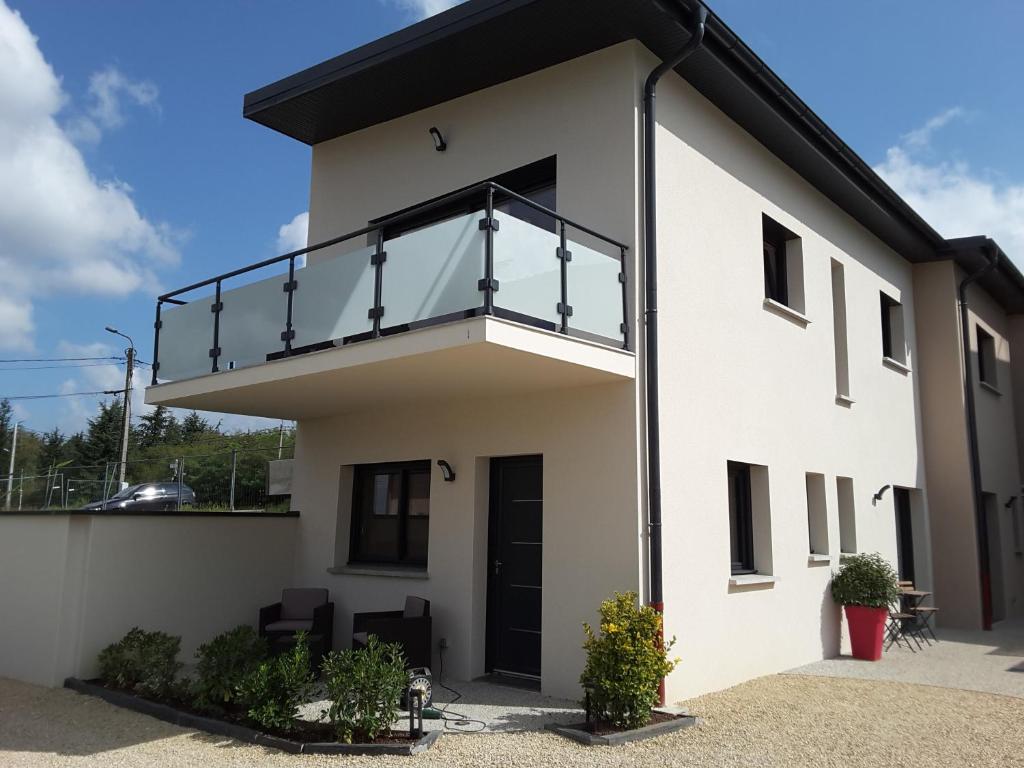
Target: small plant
[
  {"x": 866, "y": 580},
  {"x": 144, "y": 662},
  {"x": 365, "y": 688},
  {"x": 625, "y": 662},
  {"x": 273, "y": 690},
  {"x": 223, "y": 664}
]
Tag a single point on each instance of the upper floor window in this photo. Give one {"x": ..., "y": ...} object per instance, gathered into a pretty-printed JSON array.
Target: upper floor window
[
  {"x": 986, "y": 357},
  {"x": 894, "y": 344},
  {"x": 391, "y": 513},
  {"x": 783, "y": 265}
]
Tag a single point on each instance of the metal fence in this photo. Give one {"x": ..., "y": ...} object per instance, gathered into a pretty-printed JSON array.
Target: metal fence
[{"x": 239, "y": 480}]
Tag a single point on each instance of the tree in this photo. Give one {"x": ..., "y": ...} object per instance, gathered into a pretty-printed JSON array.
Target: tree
[
  {"x": 103, "y": 437},
  {"x": 193, "y": 426},
  {"x": 156, "y": 428},
  {"x": 52, "y": 451},
  {"x": 6, "y": 423}
]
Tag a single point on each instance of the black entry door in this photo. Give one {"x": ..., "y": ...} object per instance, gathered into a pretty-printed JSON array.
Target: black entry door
[
  {"x": 904, "y": 535},
  {"x": 515, "y": 546}
]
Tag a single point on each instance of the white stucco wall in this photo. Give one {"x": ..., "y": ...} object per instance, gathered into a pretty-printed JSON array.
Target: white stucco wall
[
  {"x": 591, "y": 534},
  {"x": 72, "y": 584},
  {"x": 743, "y": 383}
]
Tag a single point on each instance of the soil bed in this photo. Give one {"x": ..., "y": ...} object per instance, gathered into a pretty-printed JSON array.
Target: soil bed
[{"x": 305, "y": 736}]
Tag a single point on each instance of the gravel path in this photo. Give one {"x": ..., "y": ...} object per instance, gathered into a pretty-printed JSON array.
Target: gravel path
[{"x": 774, "y": 721}]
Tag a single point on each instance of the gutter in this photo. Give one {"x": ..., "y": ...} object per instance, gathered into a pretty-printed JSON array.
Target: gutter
[
  {"x": 656, "y": 595},
  {"x": 980, "y": 523}
]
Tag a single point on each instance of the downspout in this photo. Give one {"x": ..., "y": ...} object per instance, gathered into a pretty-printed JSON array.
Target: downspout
[
  {"x": 980, "y": 522},
  {"x": 656, "y": 596}
]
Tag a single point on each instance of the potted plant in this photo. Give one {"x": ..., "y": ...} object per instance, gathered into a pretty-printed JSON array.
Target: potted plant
[{"x": 866, "y": 586}]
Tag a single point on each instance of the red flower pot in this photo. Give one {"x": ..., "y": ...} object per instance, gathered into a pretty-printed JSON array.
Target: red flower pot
[{"x": 866, "y": 628}]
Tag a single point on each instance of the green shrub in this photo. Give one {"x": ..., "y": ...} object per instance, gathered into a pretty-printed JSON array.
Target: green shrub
[
  {"x": 273, "y": 690},
  {"x": 144, "y": 662},
  {"x": 223, "y": 664},
  {"x": 866, "y": 580},
  {"x": 365, "y": 688},
  {"x": 625, "y": 662}
]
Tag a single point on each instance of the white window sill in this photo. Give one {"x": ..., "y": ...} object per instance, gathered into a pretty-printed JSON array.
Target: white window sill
[
  {"x": 994, "y": 390},
  {"x": 752, "y": 580},
  {"x": 379, "y": 570},
  {"x": 845, "y": 400},
  {"x": 896, "y": 365},
  {"x": 816, "y": 559},
  {"x": 787, "y": 312}
]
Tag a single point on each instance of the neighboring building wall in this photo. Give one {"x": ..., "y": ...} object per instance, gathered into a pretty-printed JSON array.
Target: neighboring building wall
[
  {"x": 590, "y": 538},
  {"x": 997, "y": 447},
  {"x": 946, "y": 453},
  {"x": 76, "y": 583},
  {"x": 745, "y": 383}
]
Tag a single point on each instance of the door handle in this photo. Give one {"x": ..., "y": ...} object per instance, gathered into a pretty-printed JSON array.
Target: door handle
[{"x": 497, "y": 567}]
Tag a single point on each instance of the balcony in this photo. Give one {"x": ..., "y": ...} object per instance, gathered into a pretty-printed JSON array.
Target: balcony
[{"x": 481, "y": 291}]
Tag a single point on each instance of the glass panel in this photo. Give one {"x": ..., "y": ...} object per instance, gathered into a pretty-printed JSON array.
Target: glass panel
[
  {"x": 185, "y": 340},
  {"x": 527, "y": 269},
  {"x": 377, "y": 516},
  {"x": 433, "y": 271},
  {"x": 595, "y": 292},
  {"x": 333, "y": 298},
  {"x": 251, "y": 322}
]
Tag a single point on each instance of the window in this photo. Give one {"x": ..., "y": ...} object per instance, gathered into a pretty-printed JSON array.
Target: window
[
  {"x": 839, "y": 330},
  {"x": 986, "y": 357},
  {"x": 741, "y": 519},
  {"x": 847, "y": 516},
  {"x": 894, "y": 346},
  {"x": 817, "y": 514},
  {"x": 783, "y": 265},
  {"x": 391, "y": 514}
]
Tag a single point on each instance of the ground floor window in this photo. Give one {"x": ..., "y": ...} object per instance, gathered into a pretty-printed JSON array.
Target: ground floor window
[
  {"x": 741, "y": 520},
  {"x": 391, "y": 513}
]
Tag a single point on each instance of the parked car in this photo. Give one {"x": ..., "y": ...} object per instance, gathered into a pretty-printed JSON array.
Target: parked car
[{"x": 147, "y": 497}]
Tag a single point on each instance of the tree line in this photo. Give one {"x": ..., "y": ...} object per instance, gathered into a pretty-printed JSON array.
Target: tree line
[{"x": 82, "y": 466}]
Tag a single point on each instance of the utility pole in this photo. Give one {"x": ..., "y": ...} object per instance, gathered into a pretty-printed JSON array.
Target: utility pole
[
  {"x": 10, "y": 470},
  {"x": 126, "y": 405},
  {"x": 280, "y": 440}
]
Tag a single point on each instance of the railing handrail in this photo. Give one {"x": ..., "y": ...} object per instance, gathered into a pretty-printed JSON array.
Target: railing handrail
[{"x": 387, "y": 222}]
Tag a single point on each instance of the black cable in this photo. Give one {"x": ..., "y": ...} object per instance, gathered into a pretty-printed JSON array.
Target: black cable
[
  {"x": 459, "y": 720},
  {"x": 55, "y": 367},
  {"x": 45, "y": 397},
  {"x": 58, "y": 359}
]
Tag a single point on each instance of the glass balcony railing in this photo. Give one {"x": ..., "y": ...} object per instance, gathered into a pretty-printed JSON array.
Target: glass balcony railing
[{"x": 388, "y": 278}]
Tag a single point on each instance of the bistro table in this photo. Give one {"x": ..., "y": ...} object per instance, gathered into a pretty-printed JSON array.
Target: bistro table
[{"x": 911, "y": 604}]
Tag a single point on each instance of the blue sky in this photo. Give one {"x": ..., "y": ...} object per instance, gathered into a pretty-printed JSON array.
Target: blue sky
[{"x": 126, "y": 167}]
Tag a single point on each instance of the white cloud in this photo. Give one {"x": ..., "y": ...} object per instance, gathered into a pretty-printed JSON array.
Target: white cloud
[
  {"x": 62, "y": 230},
  {"x": 293, "y": 235},
  {"x": 956, "y": 199},
  {"x": 424, "y": 8},
  {"x": 106, "y": 90}
]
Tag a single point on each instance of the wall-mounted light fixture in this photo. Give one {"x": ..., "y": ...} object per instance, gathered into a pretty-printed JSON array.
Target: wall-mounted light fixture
[
  {"x": 439, "y": 143},
  {"x": 1009, "y": 503},
  {"x": 881, "y": 492},
  {"x": 446, "y": 470}
]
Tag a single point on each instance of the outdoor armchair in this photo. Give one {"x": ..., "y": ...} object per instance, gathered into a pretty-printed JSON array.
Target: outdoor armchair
[
  {"x": 410, "y": 627},
  {"x": 299, "y": 610}
]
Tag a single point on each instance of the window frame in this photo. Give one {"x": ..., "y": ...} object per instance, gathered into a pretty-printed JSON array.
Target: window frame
[
  {"x": 986, "y": 356},
  {"x": 741, "y": 512},
  {"x": 890, "y": 337},
  {"x": 362, "y": 506}
]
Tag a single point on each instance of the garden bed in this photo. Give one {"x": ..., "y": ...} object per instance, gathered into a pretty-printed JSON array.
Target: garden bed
[
  {"x": 602, "y": 733},
  {"x": 395, "y": 744}
]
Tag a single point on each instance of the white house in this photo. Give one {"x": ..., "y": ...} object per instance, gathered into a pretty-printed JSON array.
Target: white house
[{"x": 473, "y": 377}]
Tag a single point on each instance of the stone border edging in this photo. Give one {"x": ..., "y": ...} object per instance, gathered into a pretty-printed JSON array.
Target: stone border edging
[
  {"x": 577, "y": 733},
  {"x": 174, "y": 716}
]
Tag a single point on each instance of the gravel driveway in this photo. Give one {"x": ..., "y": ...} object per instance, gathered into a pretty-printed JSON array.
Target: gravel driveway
[{"x": 774, "y": 721}]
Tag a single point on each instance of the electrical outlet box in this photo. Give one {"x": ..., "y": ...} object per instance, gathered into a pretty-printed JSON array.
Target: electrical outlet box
[{"x": 442, "y": 643}]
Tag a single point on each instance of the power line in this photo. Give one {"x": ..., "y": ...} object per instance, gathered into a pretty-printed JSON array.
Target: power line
[
  {"x": 59, "y": 359},
  {"x": 65, "y": 394},
  {"x": 56, "y": 367}
]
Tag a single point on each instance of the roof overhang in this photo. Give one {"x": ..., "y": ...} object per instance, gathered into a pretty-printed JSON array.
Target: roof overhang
[{"x": 481, "y": 43}]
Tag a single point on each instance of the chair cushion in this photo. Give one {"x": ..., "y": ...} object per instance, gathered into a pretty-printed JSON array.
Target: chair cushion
[
  {"x": 416, "y": 607},
  {"x": 290, "y": 625},
  {"x": 299, "y": 603}
]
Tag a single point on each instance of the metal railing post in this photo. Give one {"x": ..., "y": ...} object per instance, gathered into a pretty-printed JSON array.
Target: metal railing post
[
  {"x": 106, "y": 474},
  {"x": 216, "y": 308},
  {"x": 625, "y": 298},
  {"x": 234, "y": 466},
  {"x": 288, "y": 334},
  {"x": 564, "y": 257},
  {"x": 490, "y": 225},
  {"x": 377, "y": 262},
  {"x": 181, "y": 475},
  {"x": 157, "y": 324}
]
